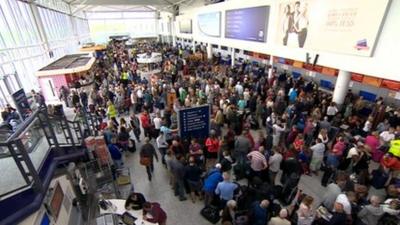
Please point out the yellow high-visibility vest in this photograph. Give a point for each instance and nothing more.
(111, 111)
(124, 76)
(395, 147)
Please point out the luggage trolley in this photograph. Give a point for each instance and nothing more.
(123, 182)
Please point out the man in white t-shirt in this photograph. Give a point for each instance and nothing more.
(157, 122)
(274, 164)
(387, 136)
(331, 111)
(318, 151)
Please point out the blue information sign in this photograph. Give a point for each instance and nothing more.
(194, 122)
(22, 104)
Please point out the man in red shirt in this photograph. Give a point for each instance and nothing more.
(145, 121)
(153, 213)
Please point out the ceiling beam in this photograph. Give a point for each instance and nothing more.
(120, 2)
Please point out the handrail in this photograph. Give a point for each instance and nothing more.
(24, 125)
(35, 198)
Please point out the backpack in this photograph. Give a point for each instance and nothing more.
(379, 179)
(226, 165)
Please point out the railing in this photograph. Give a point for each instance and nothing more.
(20, 146)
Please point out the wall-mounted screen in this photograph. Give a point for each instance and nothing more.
(247, 24)
(209, 24)
(185, 26)
(348, 27)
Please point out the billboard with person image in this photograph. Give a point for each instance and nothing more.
(341, 26)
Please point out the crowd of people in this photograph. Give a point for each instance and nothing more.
(261, 127)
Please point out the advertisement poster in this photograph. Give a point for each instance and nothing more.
(194, 122)
(342, 26)
(22, 104)
(247, 24)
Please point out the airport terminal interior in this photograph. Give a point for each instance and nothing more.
(198, 112)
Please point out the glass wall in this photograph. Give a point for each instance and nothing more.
(82, 29)
(59, 32)
(136, 24)
(23, 49)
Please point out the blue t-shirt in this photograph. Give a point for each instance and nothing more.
(292, 96)
(241, 104)
(114, 152)
(225, 190)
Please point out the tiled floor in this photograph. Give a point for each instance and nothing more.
(159, 190)
(186, 212)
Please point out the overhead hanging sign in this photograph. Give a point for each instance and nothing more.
(342, 26)
(194, 122)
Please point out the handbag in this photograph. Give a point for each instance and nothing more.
(145, 161)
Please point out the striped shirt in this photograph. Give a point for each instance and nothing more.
(257, 160)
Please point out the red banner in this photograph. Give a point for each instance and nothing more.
(329, 71)
(390, 84)
(376, 82)
(357, 77)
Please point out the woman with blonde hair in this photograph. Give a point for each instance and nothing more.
(305, 213)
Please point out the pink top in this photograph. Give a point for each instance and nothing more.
(372, 142)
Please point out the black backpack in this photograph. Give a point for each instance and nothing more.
(226, 165)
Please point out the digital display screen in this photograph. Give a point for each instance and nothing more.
(247, 24)
(185, 26)
(210, 24)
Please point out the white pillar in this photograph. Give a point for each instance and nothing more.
(173, 30)
(270, 70)
(174, 41)
(209, 51)
(232, 57)
(341, 87)
(194, 46)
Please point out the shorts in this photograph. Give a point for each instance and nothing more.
(212, 155)
(315, 163)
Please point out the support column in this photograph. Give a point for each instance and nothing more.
(209, 51)
(173, 30)
(341, 87)
(40, 27)
(232, 57)
(270, 70)
(194, 46)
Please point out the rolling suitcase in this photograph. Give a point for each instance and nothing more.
(210, 213)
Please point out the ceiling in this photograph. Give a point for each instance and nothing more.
(125, 5)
